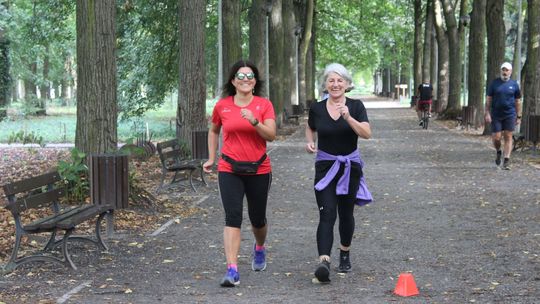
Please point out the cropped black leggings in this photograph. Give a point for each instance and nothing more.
(330, 206)
(233, 187)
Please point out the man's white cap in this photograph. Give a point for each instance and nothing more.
(506, 65)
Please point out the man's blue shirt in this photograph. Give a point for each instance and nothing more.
(503, 98)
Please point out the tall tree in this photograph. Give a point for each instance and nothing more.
(191, 111)
(231, 35)
(516, 74)
(531, 79)
(476, 64)
(454, 32)
(418, 50)
(277, 62)
(289, 53)
(307, 25)
(5, 78)
(257, 35)
(442, 55)
(428, 33)
(96, 130)
(495, 37)
(495, 30)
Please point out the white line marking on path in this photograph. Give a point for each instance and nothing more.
(170, 222)
(68, 295)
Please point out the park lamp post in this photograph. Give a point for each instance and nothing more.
(465, 21)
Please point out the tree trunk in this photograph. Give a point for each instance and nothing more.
(191, 109)
(307, 25)
(289, 53)
(311, 72)
(5, 79)
(67, 80)
(476, 70)
(232, 34)
(516, 74)
(443, 57)
(428, 33)
(257, 37)
(417, 50)
(531, 79)
(434, 60)
(455, 53)
(44, 87)
(495, 43)
(30, 88)
(277, 61)
(96, 130)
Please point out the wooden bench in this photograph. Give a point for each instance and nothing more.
(43, 194)
(290, 117)
(176, 160)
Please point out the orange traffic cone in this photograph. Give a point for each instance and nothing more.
(406, 286)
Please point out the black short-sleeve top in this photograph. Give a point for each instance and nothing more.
(336, 136)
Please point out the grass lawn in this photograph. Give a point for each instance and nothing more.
(60, 123)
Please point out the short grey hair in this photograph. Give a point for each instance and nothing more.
(338, 69)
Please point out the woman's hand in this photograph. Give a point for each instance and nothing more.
(248, 115)
(343, 110)
(207, 166)
(310, 147)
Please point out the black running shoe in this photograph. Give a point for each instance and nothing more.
(344, 262)
(322, 273)
(498, 159)
(506, 164)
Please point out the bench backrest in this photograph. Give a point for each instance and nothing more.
(170, 152)
(33, 192)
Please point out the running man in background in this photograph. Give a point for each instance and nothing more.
(503, 108)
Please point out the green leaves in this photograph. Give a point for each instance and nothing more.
(362, 34)
(74, 175)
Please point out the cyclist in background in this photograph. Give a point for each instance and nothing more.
(425, 93)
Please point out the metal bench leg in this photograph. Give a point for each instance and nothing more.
(191, 180)
(202, 177)
(67, 258)
(12, 263)
(51, 243)
(100, 242)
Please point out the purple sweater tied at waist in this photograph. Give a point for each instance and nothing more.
(363, 196)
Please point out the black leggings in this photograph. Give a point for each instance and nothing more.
(330, 205)
(233, 187)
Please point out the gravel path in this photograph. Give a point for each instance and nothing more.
(467, 231)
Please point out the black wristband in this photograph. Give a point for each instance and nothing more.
(519, 117)
(255, 123)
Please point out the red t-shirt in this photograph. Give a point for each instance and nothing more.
(241, 141)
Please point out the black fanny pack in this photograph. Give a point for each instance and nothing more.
(244, 167)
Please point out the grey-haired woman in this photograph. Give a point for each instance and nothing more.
(332, 132)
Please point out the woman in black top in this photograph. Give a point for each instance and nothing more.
(337, 123)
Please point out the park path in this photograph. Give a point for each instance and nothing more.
(467, 231)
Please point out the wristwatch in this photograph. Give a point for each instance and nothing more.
(256, 122)
(519, 117)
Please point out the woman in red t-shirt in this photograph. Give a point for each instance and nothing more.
(248, 122)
